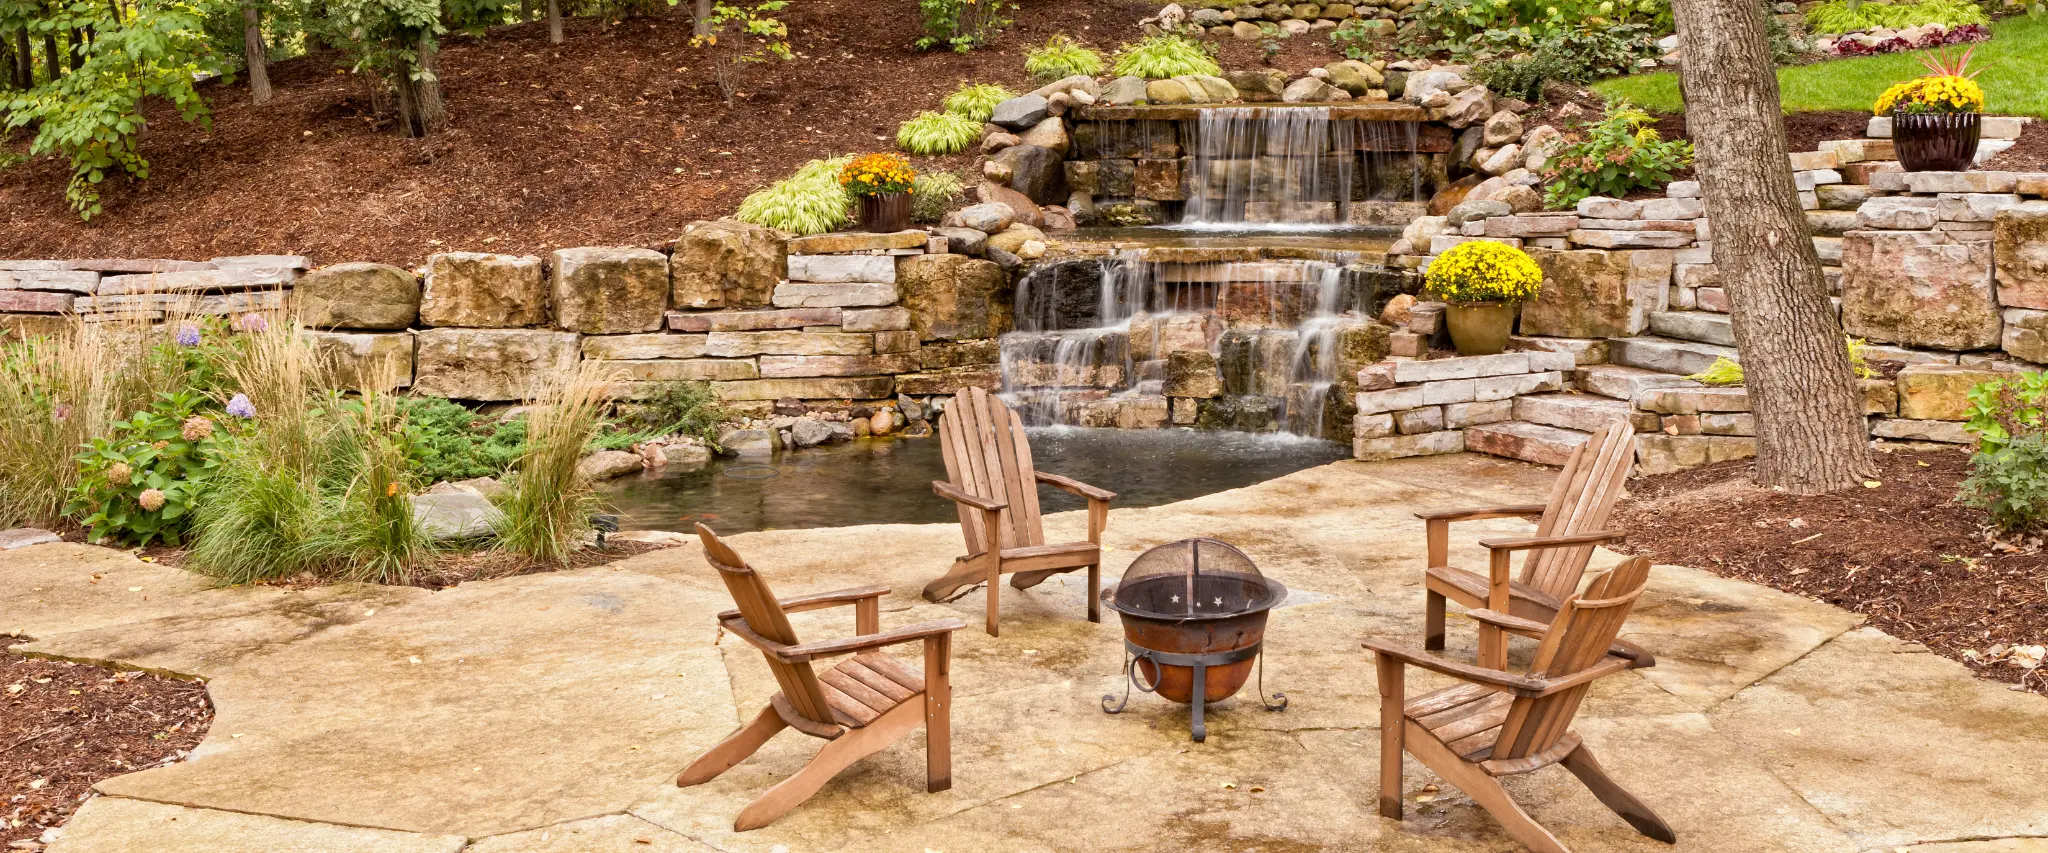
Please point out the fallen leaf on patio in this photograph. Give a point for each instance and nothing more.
(1431, 788)
(1229, 785)
(1871, 484)
(414, 659)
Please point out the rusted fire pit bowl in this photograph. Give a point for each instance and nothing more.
(1194, 617)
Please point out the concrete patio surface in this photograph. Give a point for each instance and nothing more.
(550, 713)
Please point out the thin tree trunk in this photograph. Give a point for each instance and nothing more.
(433, 111)
(408, 104)
(258, 55)
(703, 23)
(77, 41)
(12, 80)
(526, 11)
(554, 21)
(53, 64)
(1811, 434)
(24, 61)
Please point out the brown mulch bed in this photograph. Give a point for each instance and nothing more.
(1905, 554)
(66, 726)
(2029, 155)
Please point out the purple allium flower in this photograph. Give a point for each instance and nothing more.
(60, 413)
(252, 323)
(240, 406)
(188, 335)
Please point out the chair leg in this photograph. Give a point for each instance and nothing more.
(995, 577)
(734, 749)
(1638, 814)
(1482, 788)
(938, 713)
(1094, 592)
(1393, 693)
(965, 571)
(1433, 622)
(837, 755)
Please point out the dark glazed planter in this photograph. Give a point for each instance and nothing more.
(886, 213)
(1480, 328)
(1936, 142)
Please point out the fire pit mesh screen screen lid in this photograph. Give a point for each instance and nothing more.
(1194, 616)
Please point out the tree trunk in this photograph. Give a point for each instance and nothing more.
(24, 61)
(53, 65)
(526, 11)
(703, 22)
(554, 21)
(76, 40)
(1811, 434)
(433, 111)
(258, 55)
(408, 93)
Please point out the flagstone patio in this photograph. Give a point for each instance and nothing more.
(550, 713)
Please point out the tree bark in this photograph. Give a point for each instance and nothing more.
(53, 65)
(554, 21)
(75, 40)
(703, 22)
(24, 61)
(433, 111)
(1811, 434)
(258, 55)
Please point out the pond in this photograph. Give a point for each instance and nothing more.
(888, 480)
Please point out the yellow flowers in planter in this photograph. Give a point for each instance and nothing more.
(1950, 87)
(877, 174)
(1481, 271)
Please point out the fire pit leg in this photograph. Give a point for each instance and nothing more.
(1263, 698)
(1201, 731)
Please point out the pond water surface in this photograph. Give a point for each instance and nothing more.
(888, 480)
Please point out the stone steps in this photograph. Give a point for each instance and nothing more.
(1666, 355)
(1624, 383)
(1706, 327)
(1544, 445)
(1582, 412)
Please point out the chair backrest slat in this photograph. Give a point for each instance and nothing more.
(1581, 502)
(988, 455)
(763, 615)
(1578, 639)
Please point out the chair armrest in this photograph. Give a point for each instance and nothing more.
(1537, 542)
(1607, 666)
(833, 648)
(1076, 487)
(1518, 684)
(1512, 624)
(955, 493)
(1514, 511)
(820, 600)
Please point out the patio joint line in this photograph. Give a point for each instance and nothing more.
(1709, 708)
(343, 824)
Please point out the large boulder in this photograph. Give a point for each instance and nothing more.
(1020, 112)
(726, 264)
(1310, 90)
(491, 364)
(1124, 91)
(1036, 171)
(1919, 288)
(1014, 237)
(1502, 128)
(2019, 243)
(1022, 208)
(1596, 293)
(1050, 133)
(953, 297)
(1469, 107)
(987, 217)
(365, 361)
(1354, 77)
(475, 290)
(1422, 84)
(357, 296)
(610, 290)
(1258, 86)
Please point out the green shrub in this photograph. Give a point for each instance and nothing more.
(935, 194)
(1061, 57)
(139, 484)
(933, 133)
(1465, 28)
(445, 441)
(1165, 55)
(2009, 472)
(808, 202)
(1354, 40)
(976, 102)
(1523, 76)
(673, 408)
(1786, 45)
(1612, 156)
(547, 505)
(1583, 54)
(961, 25)
(1842, 16)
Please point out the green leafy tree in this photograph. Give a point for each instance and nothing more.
(739, 35)
(396, 40)
(92, 114)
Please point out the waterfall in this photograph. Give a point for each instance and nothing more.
(1273, 166)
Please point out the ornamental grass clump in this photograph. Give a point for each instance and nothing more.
(1165, 55)
(548, 503)
(933, 134)
(1483, 272)
(1948, 87)
(811, 201)
(1060, 57)
(977, 102)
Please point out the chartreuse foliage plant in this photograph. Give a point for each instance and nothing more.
(1848, 16)
(2009, 472)
(1165, 55)
(808, 202)
(976, 102)
(92, 114)
(1612, 156)
(931, 133)
(1480, 271)
(1060, 57)
(1727, 373)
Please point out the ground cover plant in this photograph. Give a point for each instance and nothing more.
(933, 134)
(2009, 472)
(976, 102)
(1841, 16)
(1061, 57)
(1165, 55)
(2014, 79)
(1612, 156)
(808, 202)
(935, 194)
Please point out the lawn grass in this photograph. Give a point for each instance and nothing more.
(2015, 77)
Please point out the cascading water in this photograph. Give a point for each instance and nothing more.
(1094, 339)
(1296, 168)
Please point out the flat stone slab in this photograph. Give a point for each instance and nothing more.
(110, 824)
(610, 834)
(22, 537)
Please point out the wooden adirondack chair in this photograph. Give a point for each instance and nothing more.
(1571, 525)
(1501, 723)
(859, 706)
(988, 461)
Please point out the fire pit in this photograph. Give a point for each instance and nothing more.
(1194, 615)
